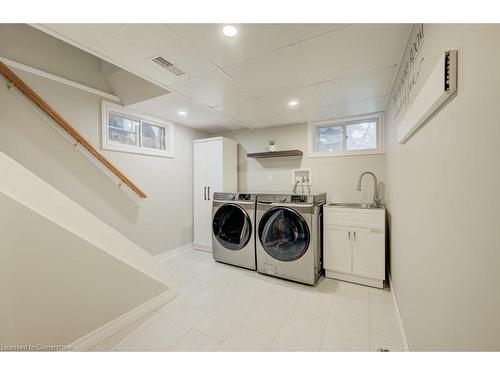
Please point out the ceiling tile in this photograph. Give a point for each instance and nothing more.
(135, 45)
(168, 106)
(274, 72)
(304, 31)
(250, 111)
(252, 40)
(262, 112)
(356, 108)
(86, 34)
(350, 89)
(296, 116)
(355, 65)
(212, 89)
(279, 102)
(355, 49)
(342, 90)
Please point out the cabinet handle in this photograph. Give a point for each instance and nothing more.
(354, 236)
(349, 235)
(205, 193)
(209, 193)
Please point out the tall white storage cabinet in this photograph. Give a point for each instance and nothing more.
(215, 169)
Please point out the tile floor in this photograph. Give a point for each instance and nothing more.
(225, 308)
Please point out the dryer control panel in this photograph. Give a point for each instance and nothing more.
(236, 197)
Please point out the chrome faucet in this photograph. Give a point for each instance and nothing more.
(376, 199)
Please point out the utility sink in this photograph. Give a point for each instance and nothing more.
(356, 205)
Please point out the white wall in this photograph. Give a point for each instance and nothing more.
(443, 202)
(55, 287)
(159, 223)
(337, 176)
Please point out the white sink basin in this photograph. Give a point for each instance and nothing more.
(356, 205)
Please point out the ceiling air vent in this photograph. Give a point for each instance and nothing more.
(164, 63)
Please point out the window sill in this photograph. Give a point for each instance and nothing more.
(140, 151)
(345, 153)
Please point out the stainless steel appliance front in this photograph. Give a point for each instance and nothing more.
(233, 228)
(288, 236)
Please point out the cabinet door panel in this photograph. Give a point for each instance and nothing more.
(214, 166)
(337, 250)
(214, 177)
(201, 219)
(369, 253)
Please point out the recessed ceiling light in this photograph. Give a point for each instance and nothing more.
(182, 113)
(229, 30)
(293, 103)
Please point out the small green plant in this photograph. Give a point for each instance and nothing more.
(271, 143)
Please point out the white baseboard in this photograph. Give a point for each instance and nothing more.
(400, 321)
(109, 329)
(376, 283)
(208, 249)
(172, 253)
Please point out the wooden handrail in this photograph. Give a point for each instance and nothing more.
(33, 96)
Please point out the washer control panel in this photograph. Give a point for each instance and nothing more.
(283, 199)
(298, 199)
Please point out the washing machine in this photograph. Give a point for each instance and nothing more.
(233, 223)
(289, 236)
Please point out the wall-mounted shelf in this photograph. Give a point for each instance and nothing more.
(275, 154)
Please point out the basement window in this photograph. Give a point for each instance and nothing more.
(348, 136)
(130, 131)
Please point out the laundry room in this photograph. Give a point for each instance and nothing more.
(281, 185)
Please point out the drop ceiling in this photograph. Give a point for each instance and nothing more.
(332, 70)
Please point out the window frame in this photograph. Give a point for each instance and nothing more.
(108, 108)
(312, 136)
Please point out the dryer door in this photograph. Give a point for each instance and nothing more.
(232, 226)
(284, 234)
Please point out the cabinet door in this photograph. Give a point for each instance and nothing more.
(214, 167)
(368, 258)
(214, 179)
(337, 248)
(200, 204)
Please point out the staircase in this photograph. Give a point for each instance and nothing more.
(64, 272)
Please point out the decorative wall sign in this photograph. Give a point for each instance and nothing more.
(439, 87)
(409, 73)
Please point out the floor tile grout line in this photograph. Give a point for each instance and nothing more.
(255, 307)
(124, 328)
(183, 303)
(203, 333)
(255, 331)
(238, 321)
(138, 329)
(251, 311)
(326, 322)
(284, 321)
(239, 326)
(352, 313)
(213, 275)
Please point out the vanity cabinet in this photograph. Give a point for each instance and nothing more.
(354, 245)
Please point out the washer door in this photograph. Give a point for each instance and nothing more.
(284, 234)
(232, 226)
